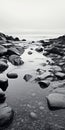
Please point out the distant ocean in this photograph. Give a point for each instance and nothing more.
(36, 35)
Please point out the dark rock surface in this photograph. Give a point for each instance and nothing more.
(27, 77)
(3, 66)
(3, 50)
(3, 83)
(12, 75)
(44, 84)
(39, 49)
(6, 115)
(15, 60)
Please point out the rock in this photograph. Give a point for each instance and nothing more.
(39, 49)
(29, 52)
(3, 66)
(4, 60)
(6, 115)
(12, 75)
(3, 83)
(44, 84)
(33, 115)
(3, 50)
(55, 50)
(16, 39)
(59, 90)
(27, 77)
(15, 60)
(52, 126)
(12, 50)
(60, 75)
(24, 40)
(2, 96)
(56, 101)
(20, 49)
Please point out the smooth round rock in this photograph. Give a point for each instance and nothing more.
(56, 101)
(12, 75)
(33, 115)
(6, 115)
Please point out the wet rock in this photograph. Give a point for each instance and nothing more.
(39, 49)
(6, 115)
(15, 60)
(3, 50)
(55, 50)
(30, 52)
(16, 39)
(59, 90)
(3, 83)
(12, 75)
(52, 126)
(20, 49)
(23, 39)
(12, 50)
(44, 84)
(4, 60)
(3, 66)
(2, 96)
(60, 75)
(33, 115)
(56, 101)
(27, 77)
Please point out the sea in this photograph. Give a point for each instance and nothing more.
(35, 35)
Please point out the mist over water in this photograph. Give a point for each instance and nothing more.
(36, 34)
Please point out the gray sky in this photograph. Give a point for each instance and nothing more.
(17, 15)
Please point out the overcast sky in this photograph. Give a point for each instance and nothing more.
(17, 15)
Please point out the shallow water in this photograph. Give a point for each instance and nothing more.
(25, 97)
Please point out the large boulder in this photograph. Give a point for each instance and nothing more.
(15, 60)
(6, 115)
(3, 83)
(18, 50)
(55, 50)
(3, 66)
(3, 50)
(56, 101)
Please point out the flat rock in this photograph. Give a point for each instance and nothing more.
(59, 90)
(56, 101)
(3, 66)
(16, 60)
(12, 75)
(60, 75)
(27, 77)
(6, 115)
(3, 50)
(43, 84)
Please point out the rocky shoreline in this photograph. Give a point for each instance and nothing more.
(50, 75)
